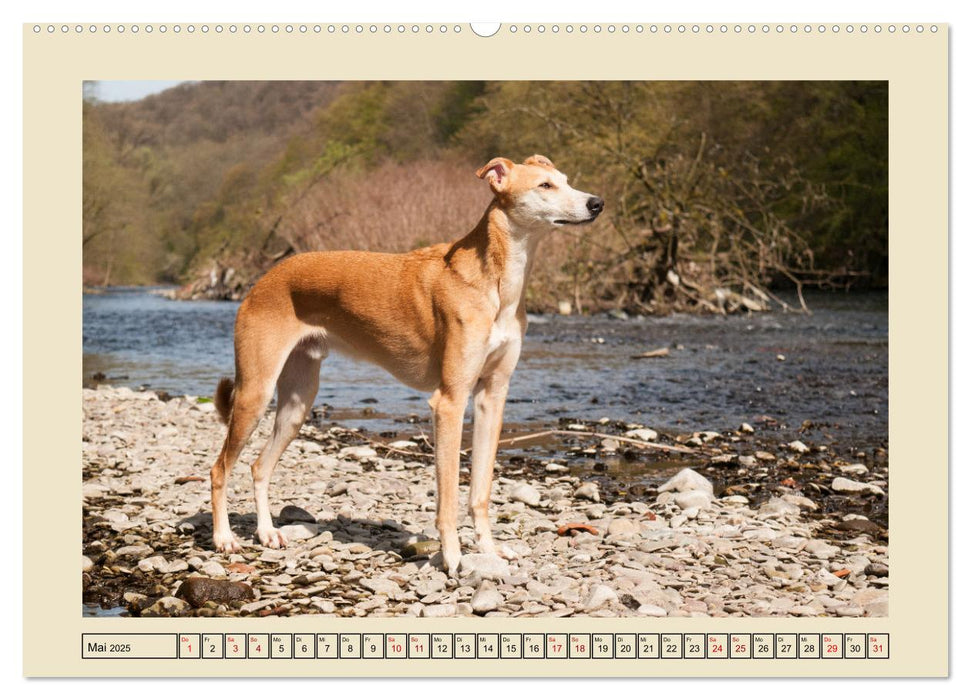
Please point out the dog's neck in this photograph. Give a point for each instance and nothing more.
(507, 251)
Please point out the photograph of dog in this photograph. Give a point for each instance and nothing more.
(698, 421)
(448, 319)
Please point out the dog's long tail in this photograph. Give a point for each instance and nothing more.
(224, 398)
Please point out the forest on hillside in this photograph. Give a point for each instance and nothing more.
(718, 194)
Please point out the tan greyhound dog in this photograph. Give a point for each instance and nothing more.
(448, 319)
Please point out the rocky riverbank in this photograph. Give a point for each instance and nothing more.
(739, 523)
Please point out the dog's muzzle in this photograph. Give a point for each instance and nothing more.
(595, 205)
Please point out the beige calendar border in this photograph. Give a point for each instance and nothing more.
(916, 66)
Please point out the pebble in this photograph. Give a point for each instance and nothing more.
(86, 563)
(820, 549)
(213, 569)
(798, 446)
(652, 610)
(166, 607)
(853, 469)
(424, 548)
(487, 598)
(135, 551)
(645, 434)
(156, 563)
(273, 555)
(589, 491)
(257, 605)
(445, 610)
(777, 506)
(877, 569)
(479, 567)
(381, 586)
(524, 493)
(619, 527)
(359, 452)
(843, 485)
(299, 531)
(599, 596)
(403, 444)
(800, 501)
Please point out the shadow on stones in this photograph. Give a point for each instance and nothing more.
(383, 535)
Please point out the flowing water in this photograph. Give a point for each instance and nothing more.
(829, 367)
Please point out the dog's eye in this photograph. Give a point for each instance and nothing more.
(547, 185)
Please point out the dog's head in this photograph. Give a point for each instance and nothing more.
(534, 194)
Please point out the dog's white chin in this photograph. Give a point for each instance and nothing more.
(564, 222)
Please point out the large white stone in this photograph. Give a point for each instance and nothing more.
(697, 498)
(687, 480)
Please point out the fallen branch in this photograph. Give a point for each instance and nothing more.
(602, 436)
(542, 433)
(660, 352)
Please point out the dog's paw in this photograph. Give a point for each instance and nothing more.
(272, 538)
(450, 562)
(486, 545)
(226, 543)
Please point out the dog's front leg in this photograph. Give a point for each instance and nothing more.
(488, 399)
(448, 409)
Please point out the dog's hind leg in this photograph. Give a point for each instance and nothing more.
(296, 389)
(259, 360)
(250, 399)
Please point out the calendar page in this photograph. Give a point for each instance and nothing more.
(564, 349)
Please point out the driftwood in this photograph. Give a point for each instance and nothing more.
(602, 436)
(544, 433)
(660, 352)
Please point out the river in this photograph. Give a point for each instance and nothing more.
(829, 367)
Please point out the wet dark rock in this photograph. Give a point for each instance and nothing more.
(295, 514)
(166, 607)
(421, 549)
(860, 526)
(198, 590)
(877, 569)
(136, 602)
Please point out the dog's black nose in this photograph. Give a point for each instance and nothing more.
(595, 205)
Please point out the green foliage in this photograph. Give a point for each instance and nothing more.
(215, 170)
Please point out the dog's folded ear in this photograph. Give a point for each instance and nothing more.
(496, 172)
(539, 160)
